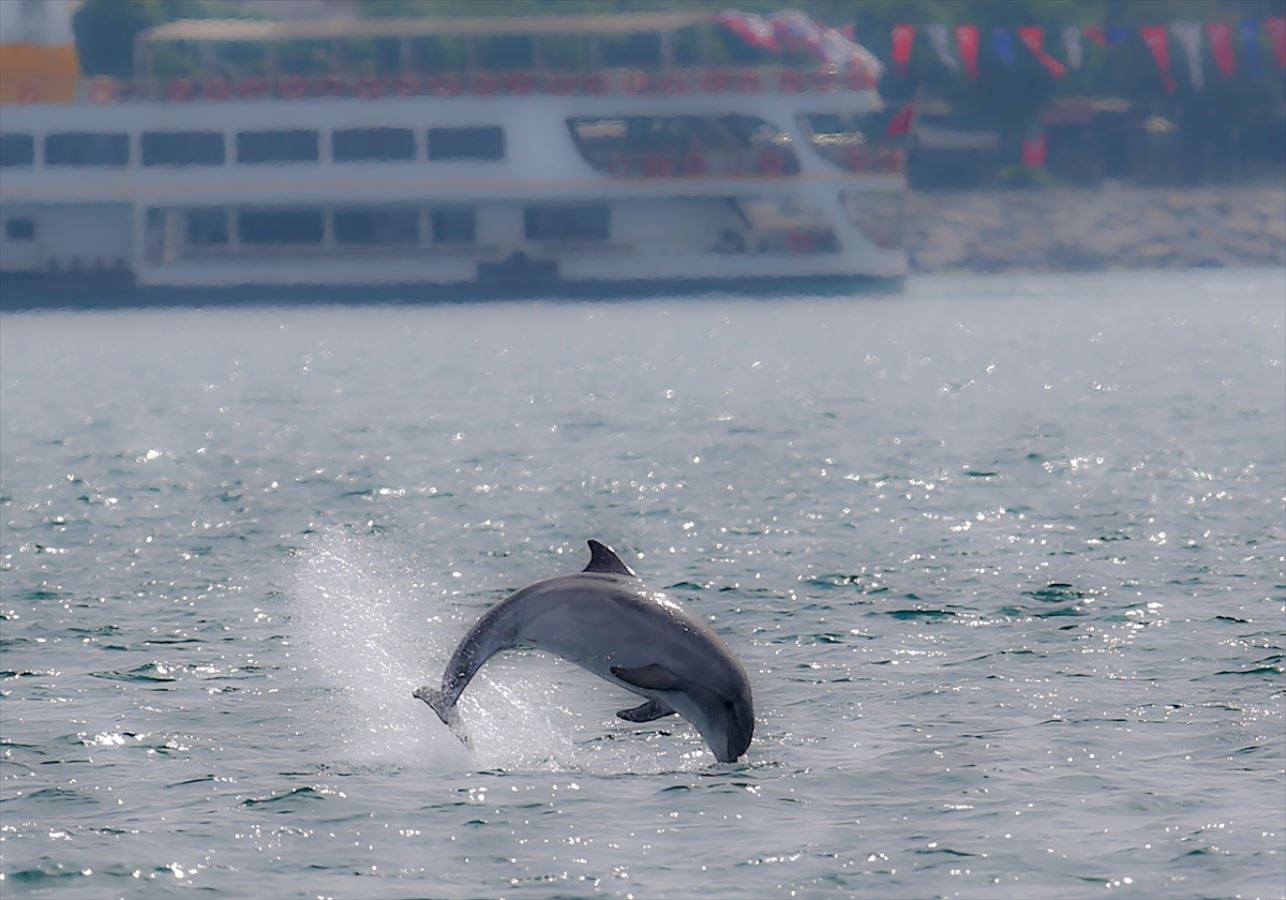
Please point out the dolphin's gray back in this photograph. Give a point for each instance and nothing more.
(597, 621)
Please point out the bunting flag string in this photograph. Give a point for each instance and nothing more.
(1155, 37)
(1188, 34)
(1250, 46)
(1072, 46)
(1277, 33)
(1002, 44)
(958, 47)
(1095, 34)
(938, 38)
(967, 44)
(1220, 36)
(1033, 38)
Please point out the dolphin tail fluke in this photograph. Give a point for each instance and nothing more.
(449, 713)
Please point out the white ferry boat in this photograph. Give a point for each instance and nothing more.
(493, 155)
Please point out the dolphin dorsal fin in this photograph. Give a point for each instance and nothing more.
(605, 562)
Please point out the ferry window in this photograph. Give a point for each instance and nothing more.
(208, 227)
(20, 229)
(568, 223)
(454, 225)
(467, 143)
(505, 51)
(276, 146)
(183, 148)
(17, 150)
(280, 226)
(565, 51)
(351, 144)
(631, 50)
(81, 148)
(377, 226)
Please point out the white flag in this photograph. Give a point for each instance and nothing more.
(1188, 34)
(1072, 45)
(941, 41)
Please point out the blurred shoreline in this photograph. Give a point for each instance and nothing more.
(1111, 227)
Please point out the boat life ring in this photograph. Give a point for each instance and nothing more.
(180, 90)
(406, 85)
(368, 86)
(694, 164)
(748, 82)
(855, 159)
(560, 84)
(800, 242)
(714, 81)
(252, 87)
(594, 84)
(444, 85)
(791, 82)
(292, 87)
(520, 83)
(483, 83)
(673, 85)
(638, 83)
(102, 90)
(330, 86)
(215, 89)
(772, 161)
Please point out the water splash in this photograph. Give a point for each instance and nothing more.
(372, 633)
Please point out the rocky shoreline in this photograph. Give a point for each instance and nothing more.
(1113, 227)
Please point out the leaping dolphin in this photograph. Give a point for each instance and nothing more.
(605, 620)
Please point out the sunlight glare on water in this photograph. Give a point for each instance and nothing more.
(1003, 557)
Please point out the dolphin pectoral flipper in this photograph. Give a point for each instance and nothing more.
(646, 712)
(652, 677)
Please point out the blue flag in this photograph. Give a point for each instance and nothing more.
(1116, 34)
(1250, 38)
(1002, 44)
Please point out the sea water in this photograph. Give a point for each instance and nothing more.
(1002, 556)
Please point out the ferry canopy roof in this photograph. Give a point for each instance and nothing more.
(259, 31)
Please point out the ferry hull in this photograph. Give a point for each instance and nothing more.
(114, 290)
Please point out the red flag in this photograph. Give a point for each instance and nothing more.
(1277, 32)
(1095, 34)
(1155, 37)
(1221, 46)
(903, 38)
(967, 42)
(900, 124)
(1033, 37)
(1034, 150)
